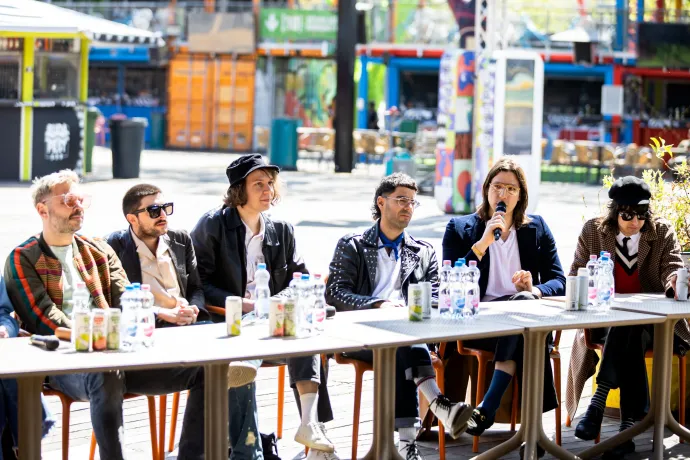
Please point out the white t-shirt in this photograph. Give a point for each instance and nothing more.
(504, 262)
(70, 275)
(254, 247)
(388, 285)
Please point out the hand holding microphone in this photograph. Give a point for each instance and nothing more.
(500, 207)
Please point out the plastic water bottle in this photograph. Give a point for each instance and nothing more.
(613, 278)
(604, 284)
(305, 306)
(444, 290)
(457, 295)
(472, 289)
(129, 324)
(262, 292)
(319, 312)
(592, 267)
(147, 320)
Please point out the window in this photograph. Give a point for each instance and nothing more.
(10, 76)
(145, 87)
(56, 76)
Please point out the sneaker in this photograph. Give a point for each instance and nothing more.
(314, 437)
(320, 455)
(410, 451)
(453, 415)
(479, 422)
(240, 373)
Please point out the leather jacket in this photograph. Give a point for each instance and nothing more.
(221, 254)
(352, 272)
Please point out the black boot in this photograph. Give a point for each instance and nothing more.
(590, 425)
(620, 451)
(479, 422)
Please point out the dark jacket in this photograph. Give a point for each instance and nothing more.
(352, 273)
(222, 257)
(536, 244)
(182, 255)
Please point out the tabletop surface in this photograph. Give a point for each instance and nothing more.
(653, 304)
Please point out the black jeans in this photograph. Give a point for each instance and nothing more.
(511, 348)
(410, 363)
(623, 366)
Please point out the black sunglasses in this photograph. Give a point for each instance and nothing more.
(627, 216)
(154, 210)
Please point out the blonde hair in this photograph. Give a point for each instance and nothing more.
(43, 186)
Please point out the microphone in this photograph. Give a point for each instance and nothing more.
(500, 207)
(47, 342)
(330, 311)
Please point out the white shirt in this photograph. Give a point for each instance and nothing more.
(254, 248)
(157, 270)
(388, 284)
(504, 262)
(70, 275)
(633, 242)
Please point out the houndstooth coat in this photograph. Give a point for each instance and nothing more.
(658, 259)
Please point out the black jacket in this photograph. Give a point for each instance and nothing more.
(536, 245)
(182, 255)
(352, 277)
(221, 253)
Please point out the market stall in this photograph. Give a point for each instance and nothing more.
(44, 52)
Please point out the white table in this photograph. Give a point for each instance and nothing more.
(384, 330)
(659, 414)
(203, 345)
(539, 317)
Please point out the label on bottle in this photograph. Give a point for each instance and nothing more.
(444, 303)
(99, 331)
(81, 328)
(113, 340)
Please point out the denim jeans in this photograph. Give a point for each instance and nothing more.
(9, 402)
(410, 363)
(245, 440)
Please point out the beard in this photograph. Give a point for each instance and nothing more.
(67, 225)
(153, 231)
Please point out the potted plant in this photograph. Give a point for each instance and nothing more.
(670, 199)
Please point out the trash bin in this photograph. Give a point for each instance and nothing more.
(157, 131)
(127, 142)
(92, 114)
(283, 147)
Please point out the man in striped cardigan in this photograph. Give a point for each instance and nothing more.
(41, 274)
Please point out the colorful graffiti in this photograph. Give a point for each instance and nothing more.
(309, 90)
(453, 186)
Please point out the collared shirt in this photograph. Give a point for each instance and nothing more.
(632, 244)
(255, 256)
(388, 284)
(504, 262)
(70, 275)
(157, 270)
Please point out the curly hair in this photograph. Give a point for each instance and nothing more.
(388, 185)
(236, 194)
(609, 222)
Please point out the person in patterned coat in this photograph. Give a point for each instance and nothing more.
(646, 256)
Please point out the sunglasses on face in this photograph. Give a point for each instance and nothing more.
(627, 216)
(154, 210)
(72, 199)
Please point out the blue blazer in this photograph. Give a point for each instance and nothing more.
(536, 244)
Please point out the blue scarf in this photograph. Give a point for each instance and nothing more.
(392, 244)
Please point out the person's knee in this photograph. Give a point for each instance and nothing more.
(109, 384)
(304, 369)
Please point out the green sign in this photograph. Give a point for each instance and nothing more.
(283, 24)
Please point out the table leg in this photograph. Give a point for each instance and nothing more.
(531, 430)
(383, 445)
(216, 411)
(30, 417)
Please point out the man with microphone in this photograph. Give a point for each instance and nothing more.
(517, 259)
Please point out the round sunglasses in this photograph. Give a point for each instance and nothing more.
(154, 210)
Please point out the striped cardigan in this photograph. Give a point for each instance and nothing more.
(34, 281)
(658, 260)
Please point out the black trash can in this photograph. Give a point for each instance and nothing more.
(126, 143)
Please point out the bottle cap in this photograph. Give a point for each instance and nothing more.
(261, 266)
(129, 288)
(136, 285)
(317, 276)
(296, 275)
(80, 285)
(145, 287)
(473, 263)
(593, 257)
(446, 263)
(305, 276)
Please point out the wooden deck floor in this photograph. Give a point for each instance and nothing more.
(341, 387)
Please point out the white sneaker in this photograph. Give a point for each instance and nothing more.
(453, 415)
(320, 455)
(314, 437)
(240, 373)
(409, 450)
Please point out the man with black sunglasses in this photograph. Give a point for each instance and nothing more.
(646, 256)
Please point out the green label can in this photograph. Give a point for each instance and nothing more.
(81, 331)
(290, 318)
(113, 315)
(415, 302)
(233, 315)
(276, 317)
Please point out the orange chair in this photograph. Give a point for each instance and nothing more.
(483, 358)
(649, 354)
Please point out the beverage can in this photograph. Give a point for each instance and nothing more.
(276, 317)
(571, 293)
(415, 295)
(99, 330)
(113, 316)
(233, 315)
(582, 288)
(426, 299)
(290, 318)
(682, 284)
(81, 331)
